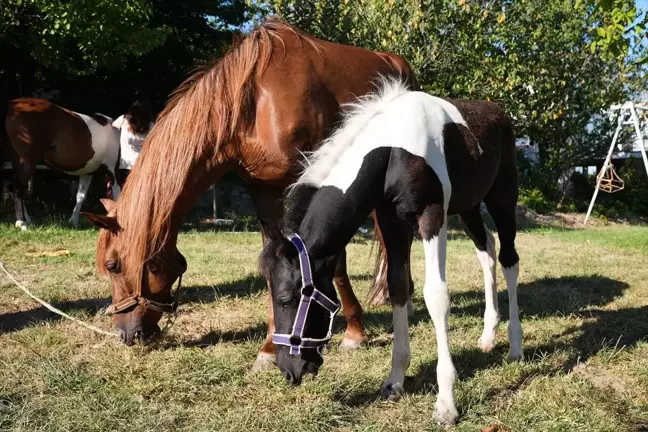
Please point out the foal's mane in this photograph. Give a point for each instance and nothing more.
(356, 116)
(210, 109)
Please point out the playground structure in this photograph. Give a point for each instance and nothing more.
(628, 114)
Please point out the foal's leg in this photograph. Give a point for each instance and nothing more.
(501, 202)
(434, 230)
(84, 183)
(473, 225)
(396, 241)
(504, 219)
(354, 336)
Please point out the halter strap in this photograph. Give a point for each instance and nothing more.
(138, 299)
(296, 340)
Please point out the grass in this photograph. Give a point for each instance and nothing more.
(584, 304)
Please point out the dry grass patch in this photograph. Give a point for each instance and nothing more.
(583, 298)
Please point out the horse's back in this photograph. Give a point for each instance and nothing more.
(74, 143)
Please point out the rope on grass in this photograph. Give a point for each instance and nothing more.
(53, 309)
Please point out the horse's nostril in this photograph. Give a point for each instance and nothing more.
(291, 378)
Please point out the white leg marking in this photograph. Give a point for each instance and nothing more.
(514, 326)
(410, 307)
(84, 183)
(488, 259)
(20, 223)
(401, 354)
(264, 361)
(437, 301)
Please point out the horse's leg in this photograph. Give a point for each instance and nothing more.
(502, 209)
(269, 208)
(112, 185)
(82, 191)
(23, 172)
(434, 230)
(354, 336)
(473, 225)
(396, 242)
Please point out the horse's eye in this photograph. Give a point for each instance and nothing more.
(113, 266)
(289, 303)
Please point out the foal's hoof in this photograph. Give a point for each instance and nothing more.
(352, 344)
(392, 391)
(445, 413)
(264, 361)
(22, 225)
(515, 354)
(486, 344)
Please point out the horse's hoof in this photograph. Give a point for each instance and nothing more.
(445, 413)
(22, 225)
(392, 391)
(264, 361)
(486, 344)
(351, 344)
(74, 223)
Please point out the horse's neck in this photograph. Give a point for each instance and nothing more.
(204, 174)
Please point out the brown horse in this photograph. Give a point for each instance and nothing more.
(274, 95)
(74, 143)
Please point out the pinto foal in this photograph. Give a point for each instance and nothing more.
(415, 159)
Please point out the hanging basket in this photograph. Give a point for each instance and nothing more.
(609, 180)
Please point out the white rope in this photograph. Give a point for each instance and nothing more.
(53, 309)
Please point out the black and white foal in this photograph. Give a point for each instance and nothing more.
(415, 159)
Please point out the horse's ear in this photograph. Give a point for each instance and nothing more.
(100, 221)
(108, 204)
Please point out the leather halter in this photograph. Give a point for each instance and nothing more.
(137, 298)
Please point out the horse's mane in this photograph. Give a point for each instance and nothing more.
(209, 109)
(356, 116)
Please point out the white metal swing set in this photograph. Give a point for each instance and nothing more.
(628, 114)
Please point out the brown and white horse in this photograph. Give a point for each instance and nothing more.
(271, 97)
(71, 142)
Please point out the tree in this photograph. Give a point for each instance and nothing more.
(95, 54)
(535, 57)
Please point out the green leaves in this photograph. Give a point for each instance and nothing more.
(80, 36)
(553, 64)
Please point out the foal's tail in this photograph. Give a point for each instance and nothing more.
(379, 293)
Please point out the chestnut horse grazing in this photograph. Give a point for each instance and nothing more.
(273, 96)
(74, 143)
(414, 159)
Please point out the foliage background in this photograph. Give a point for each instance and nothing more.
(554, 64)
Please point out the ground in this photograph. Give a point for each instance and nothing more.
(584, 307)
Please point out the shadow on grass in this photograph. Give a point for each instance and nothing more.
(214, 337)
(564, 296)
(247, 286)
(16, 321)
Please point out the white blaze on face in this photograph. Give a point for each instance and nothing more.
(105, 144)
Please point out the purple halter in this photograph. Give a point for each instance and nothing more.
(309, 293)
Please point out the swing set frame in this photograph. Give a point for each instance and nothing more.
(627, 115)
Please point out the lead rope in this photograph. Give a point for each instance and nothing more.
(55, 310)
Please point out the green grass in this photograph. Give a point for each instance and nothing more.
(584, 307)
